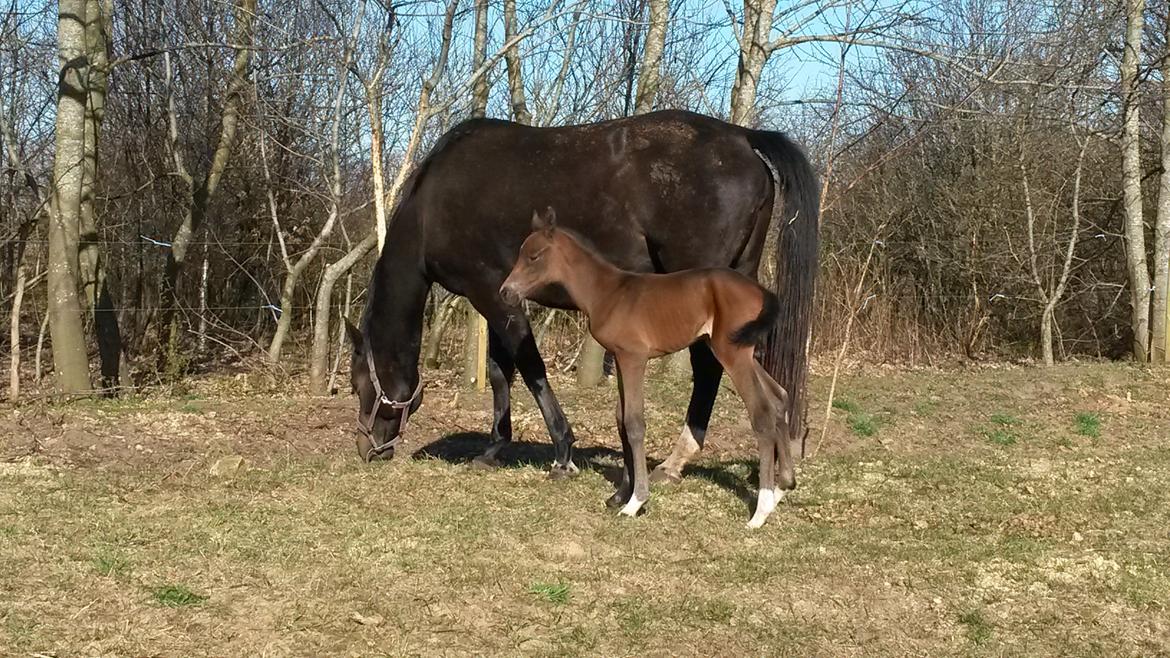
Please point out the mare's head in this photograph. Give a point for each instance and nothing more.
(385, 399)
(540, 261)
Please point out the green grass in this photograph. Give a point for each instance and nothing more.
(949, 544)
(859, 422)
(1088, 424)
(977, 626)
(845, 404)
(557, 593)
(1003, 432)
(177, 596)
(111, 564)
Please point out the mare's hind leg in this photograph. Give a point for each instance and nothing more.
(706, 372)
(515, 333)
(761, 406)
(501, 372)
(631, 380)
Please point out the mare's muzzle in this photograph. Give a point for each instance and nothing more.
(365, 422)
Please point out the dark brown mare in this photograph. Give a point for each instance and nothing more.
(642, 316)
(659, 192)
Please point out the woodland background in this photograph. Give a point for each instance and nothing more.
(200, 186)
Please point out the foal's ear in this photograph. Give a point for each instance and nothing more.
(355, 336)
(545, 222)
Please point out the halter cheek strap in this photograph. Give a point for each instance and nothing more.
(366, 422)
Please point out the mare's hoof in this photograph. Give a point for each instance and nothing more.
(662, 476)
(616, 500)
(558, 472)
(484, 463)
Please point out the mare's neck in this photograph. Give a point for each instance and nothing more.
(394, 310)
(593, 280)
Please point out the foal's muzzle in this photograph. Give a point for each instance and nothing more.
(510, 294)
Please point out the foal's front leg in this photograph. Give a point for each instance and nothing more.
(626, 486)
(631, 380)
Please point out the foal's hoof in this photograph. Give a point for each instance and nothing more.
(485, 463)
(662, 476)
(558, 472)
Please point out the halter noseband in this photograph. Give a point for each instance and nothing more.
(366, 423)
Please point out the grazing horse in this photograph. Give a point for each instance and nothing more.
(642, 316)
(659, 192)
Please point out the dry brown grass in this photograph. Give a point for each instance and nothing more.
(927, 537)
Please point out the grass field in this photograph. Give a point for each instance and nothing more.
(991, 511)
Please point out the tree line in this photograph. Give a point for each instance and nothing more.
(191, 185)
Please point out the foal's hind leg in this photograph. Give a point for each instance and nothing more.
(705, 373)
(786, 474)
(741, 365)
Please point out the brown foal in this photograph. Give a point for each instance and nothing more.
(638, 317)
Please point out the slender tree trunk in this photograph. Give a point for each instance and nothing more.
(435, 337)
(14, 332)
(476, 325)
(374, 108)
(1131, 174)
(753, 54)
(203, 282)
(319, 361)
(650, 74)
(520, 111)
(38, 370)
(479, 92)
(1160, 338)
(70, 359)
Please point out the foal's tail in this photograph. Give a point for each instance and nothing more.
(786, 353)
(754, 332)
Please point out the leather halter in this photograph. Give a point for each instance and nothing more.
(366, 423)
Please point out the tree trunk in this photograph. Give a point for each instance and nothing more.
(590, 362)
(70, 359)
(435, 337)
(319, 361)
(1046, 332)
(753, 54)
(520, 111)
(202, 194)
(1160, 338)
(1131, 176)
(651, 74)
(479, 92)
(14, 332)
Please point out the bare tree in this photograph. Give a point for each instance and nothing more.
(1160, 336)
(296, 269)
(1131, 172)
(65, 324)
(202, 191)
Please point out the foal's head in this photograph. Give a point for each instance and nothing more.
(540, 262)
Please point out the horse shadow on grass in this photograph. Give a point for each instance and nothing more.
(464, 447)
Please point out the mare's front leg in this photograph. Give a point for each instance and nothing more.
(515, 333)
(631, 388)
(501, 372)
(706, 372)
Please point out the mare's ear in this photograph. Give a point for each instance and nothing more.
(355, 336)
(550, 216)
(537, 221)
